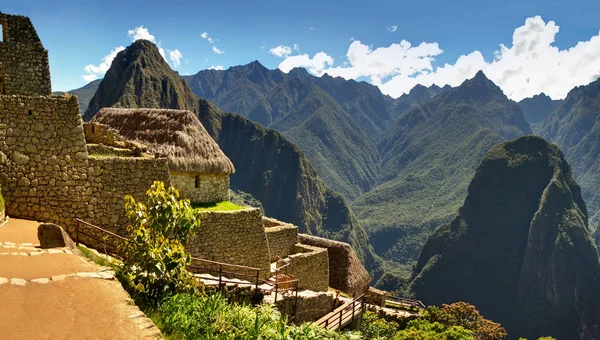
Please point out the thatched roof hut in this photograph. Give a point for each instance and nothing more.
(177, 135)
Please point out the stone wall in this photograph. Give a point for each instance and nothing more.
(310, 265)
(235, 237)
(202, 188)
(346, 271)
(96, 133)
(282, 238)
(111, 179)
(24, 69)
(310, 306)
(43, 159)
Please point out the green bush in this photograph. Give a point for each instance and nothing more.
(155, 260)
(212, 317)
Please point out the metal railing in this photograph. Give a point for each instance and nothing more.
(343, 315)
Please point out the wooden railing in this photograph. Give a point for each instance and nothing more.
(197, 265)
(343, 315)
(404, 302)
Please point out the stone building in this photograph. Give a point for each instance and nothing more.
(24, 65)
(198, 167)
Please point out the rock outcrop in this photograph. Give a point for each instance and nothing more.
(53, 236)
(519, 248)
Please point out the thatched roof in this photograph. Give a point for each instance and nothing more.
(177, 135)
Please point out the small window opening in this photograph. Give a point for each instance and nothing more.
(197, 181)
(30, 112)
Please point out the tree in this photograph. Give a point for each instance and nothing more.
(155, 260)
(467, 316)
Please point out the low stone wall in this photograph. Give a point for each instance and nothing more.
(346, 271)
(310, 265)
(202, 188)
(376, 296)
(109, 151)
(234, 237)
(282, 238)
(111, 179)
(310, 306)
(96, 133)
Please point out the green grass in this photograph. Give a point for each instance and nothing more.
(220, 206)
(100, 260)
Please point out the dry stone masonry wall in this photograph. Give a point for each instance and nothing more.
(282, 238)
(43, 158)
(25, 69)
(310, 265)
(111, 179)
(202, 188)
(236, 237)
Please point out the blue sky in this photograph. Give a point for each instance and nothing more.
(81, 33)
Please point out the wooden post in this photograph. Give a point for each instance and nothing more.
(220, 275)
(340, 322)
(257, 278)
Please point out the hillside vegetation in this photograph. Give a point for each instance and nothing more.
(575, 127)
(519, 248)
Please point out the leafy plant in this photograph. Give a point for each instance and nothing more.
(154, 258)
(467, 316)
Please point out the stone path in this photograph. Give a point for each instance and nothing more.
(58, 294)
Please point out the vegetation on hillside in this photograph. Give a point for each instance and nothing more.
(575, 127)
(538, 107)
(519, 248)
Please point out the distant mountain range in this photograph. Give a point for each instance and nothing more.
(269, 167)
(403, 164)
(575, 127)
(537, 108)
(84, 94)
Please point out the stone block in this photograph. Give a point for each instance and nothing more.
(53, 236)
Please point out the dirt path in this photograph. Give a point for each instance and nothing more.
(57, 294)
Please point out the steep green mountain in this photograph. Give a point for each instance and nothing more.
(575, 127)
(140, 77)
(268, 166)
(276, 172)
(537, 108)
(84, 94)
(519, 248)
(418, 95)
(428, 159)
(335, 122)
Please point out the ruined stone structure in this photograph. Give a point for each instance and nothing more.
(24, 67)
(48, 173)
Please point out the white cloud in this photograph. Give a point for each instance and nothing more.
(315, 65)
(141, 32)
(175, 57)
(392, 28)
(296, 47)
(281, 51)
(530, 65)
(218, 68)
(96, 71)
(216, 50)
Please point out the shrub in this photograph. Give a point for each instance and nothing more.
(155, 260)
(467, 316)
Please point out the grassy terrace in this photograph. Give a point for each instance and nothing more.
(221, 206)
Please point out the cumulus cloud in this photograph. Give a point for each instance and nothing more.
(215, 49)
(531, 64)
(218, 68)
(96, 71)
(315, 65)
(281, 51)
(175, 57)
(392, 28)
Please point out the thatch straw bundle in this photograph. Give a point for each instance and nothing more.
(177, 135)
